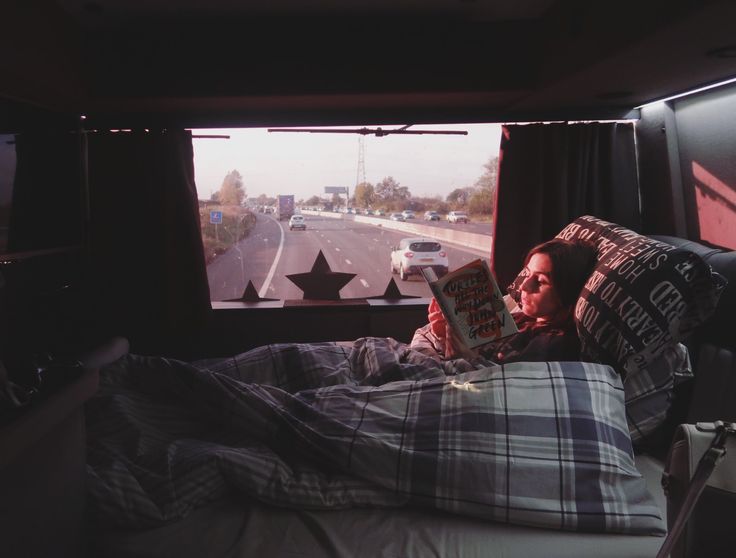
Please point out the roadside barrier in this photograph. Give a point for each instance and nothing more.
(475, 241)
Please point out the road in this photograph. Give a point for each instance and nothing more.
(272, 251)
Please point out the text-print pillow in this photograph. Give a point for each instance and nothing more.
(642, 296)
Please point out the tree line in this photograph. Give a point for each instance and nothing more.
(388, 194)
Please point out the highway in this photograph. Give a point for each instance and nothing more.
(272, 251)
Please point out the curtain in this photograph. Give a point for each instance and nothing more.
(46, 208)
(549, 174)
(148, 268)
(43, 272)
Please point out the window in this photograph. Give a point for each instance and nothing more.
(425, 247)
(346, 186)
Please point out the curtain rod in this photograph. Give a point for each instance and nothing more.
(379, 132)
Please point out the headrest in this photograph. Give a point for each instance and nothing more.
(719, 327)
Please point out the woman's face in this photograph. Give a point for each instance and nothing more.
(539, 299)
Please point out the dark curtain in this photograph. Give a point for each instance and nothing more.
(46, 210)
(43, 271)
(549, 174)
(147, 260)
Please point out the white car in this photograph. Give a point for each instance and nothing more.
(397, 217)
(412, 254)
(408, 214)
(458, 217)
(297, 222)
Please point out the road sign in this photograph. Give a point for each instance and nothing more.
(216, 217)
(336, 190)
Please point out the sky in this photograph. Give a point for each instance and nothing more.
(303, 164)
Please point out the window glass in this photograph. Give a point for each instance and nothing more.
(425, 247)
(346, 186)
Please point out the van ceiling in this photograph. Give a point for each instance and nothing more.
(258, 62)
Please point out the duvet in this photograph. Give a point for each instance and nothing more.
(369, 423)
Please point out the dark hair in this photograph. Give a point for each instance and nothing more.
(572, 264)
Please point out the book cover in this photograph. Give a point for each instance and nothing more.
(472, 303)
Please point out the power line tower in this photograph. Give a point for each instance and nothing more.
(360, 178)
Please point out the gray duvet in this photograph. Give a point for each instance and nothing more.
(371, 423)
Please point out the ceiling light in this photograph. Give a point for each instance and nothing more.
(687, 93)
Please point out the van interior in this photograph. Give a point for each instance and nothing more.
(624, 112)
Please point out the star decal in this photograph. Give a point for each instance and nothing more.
(321, 283)
(392, 292)
(249, 295)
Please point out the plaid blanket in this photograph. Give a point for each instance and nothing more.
(373, 423)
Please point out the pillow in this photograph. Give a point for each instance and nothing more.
(643, 295)
(649, 392)
(642, 298)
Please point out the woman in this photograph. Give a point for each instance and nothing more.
(554, 274)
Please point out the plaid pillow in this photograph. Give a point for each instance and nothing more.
(649, 391)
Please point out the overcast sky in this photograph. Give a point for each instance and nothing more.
(303, 164)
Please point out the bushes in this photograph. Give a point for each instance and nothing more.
(237, 222)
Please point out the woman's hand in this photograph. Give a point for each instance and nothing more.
(454, 346)
(437, 319)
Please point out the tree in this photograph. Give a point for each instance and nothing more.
(314, 201)
(389, 191)
(365, 195)
(481, 202)
(483, 199)
(232, 191)
(459, 197)
(263, 199)
(488, 179)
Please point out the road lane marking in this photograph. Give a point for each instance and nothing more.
(365, 283)
(337, 249)
(348, 262)
(269, 277)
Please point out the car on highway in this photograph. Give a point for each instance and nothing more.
(379, 212)
(457, 217)
(397, 217)
(297, 222)
(408, 214)
(431, 216)
(414, 253)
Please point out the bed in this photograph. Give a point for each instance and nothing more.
(370, 448)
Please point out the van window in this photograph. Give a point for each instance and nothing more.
(346, 186)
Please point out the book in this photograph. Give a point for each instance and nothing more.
(472, 303)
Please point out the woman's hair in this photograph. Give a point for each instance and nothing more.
(572, 264)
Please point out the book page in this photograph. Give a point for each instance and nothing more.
(472, 303)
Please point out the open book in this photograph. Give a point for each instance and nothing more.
(472, 303)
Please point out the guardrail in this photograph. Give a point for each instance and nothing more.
(475, 241)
